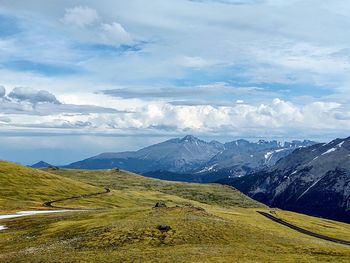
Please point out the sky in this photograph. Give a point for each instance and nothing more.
(78, 78)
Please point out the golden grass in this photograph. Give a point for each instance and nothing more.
(25, 188)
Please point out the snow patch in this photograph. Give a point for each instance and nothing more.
(281, 144)
(340, 144)
(313, 184)
(268, 154)
(208, 169)
(279, 150)
(329, 151)
(30, 213)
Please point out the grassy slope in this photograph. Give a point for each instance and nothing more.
(26, 188)
(227, 230)
(134, 185)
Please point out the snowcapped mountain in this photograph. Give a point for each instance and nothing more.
(178, 158)
(313, 180)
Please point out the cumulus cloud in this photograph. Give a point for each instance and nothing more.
(33, 96)
(275, 118)
(80, 16)
(114, 34)
(278, 115)
(2, 91)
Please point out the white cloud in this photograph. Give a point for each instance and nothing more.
(80, 16)
(38, 110)
(278, 114)
(114, 34)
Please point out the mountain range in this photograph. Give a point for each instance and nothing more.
(192, 159)
(313, 180)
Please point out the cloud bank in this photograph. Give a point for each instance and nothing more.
(39, 110)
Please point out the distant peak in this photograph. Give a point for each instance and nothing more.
(41, 164)
(189, 138)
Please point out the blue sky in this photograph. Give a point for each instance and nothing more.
(83, 77)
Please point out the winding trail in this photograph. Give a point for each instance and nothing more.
(304, 231)
(50, 203)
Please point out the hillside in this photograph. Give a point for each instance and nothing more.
(121, 181)
(313, 180)
(200, 223)
(27, 188)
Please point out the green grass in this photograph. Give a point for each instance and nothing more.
(209, 223)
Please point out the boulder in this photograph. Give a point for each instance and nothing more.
(163, 228)
(160, 204)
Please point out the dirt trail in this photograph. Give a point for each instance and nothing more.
(50, 203)
(304, 231)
